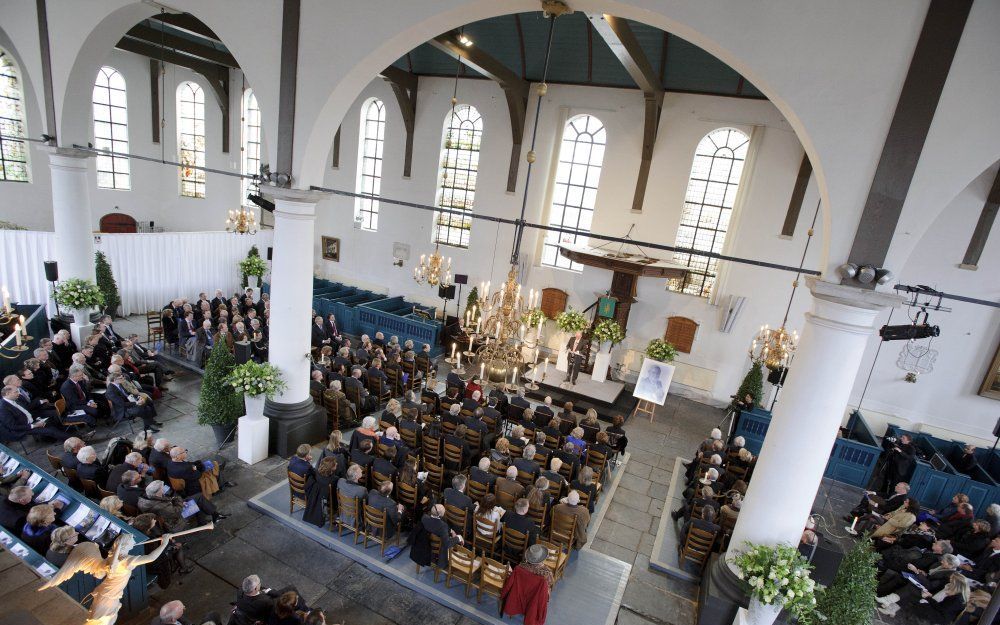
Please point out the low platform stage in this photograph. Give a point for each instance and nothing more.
(607, 398)
(589, 593)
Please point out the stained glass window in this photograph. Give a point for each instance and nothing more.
(111, 129)
(463, 133)
(191, 138)
(370, 145)
(13, 153)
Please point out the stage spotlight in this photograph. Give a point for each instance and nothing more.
(261, 202)
(866, 274)
(908, 332)
(848, 270)
(883, 276)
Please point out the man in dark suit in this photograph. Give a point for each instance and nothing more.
(16, 421)
(319, 338)
(375, 372)
(301, 463)
(381, 499)
(457, 381)
(204, 340)
(434, 399)
(481, 474)
(218, 300)
(574, 357)
(475, 423)
(871, 502)
(519, 521)
(38, 407)
(316, 381)
(473, 402)
(14, 509)
(387, 465)
(130, 488)
(349, 487)
(89, 468)
(553, 475)
(545, 408)
(900, 461)
(519, 400)
(132, 462)
(354, 383)
(76, 392)
(181, 468)
(126, 406)
(362, 454)
(455, 496)
(527, 463)
(187, 334)
(71, 446)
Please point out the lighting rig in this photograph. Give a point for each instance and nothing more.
(920, 328)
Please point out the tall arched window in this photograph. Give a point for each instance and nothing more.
(581, 157)
(191, 138)
(250, 146)
(463, 133)
(708, 206)
(13, 153)
(111, 129)
(370, 144)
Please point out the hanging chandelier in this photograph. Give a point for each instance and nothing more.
(774, 347)
(241, 221)
(435, 271)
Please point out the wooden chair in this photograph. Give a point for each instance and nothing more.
(726, 526)
(462, 564)
(435, 542)
(90, 488)
(562, 529)
(101, 493)
(178, 485)
(538, 514)
(435, 476)
(408, 496)
(513, 545)
(476, 491)
(409, 437)
(457, 519)
(584, 498)
(378, 478)
(129, 510)
(485, 535)
(516, 451)
(448, 426)
(498, 469)
(598, 462)
(348, 507)
(525, 479)
(697, 547)
(566, 470)
(317, 396)
(505, 499)
(555, 490)
(54, 461)
(431, 448)
(492, 578)
(590, 433)
(491, 423)
(454, 459)
(354, 395)
(71, 475)
(377, 526)
(154, 326)
(738, 472)
(379, 390)
(332, 414)
(296, 491)
(411, 372)
(474, 439)
(556, 560)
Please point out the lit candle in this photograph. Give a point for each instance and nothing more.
(479, 323)
(458, 365)
(538, 334)
(545, 369)
(853, 523)
(522, 332)
(487, 341)
(513, 376)
(453, 346)
(482, 370)
(17, 335)
(24, 330)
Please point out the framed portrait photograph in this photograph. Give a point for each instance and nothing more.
(331, 249)
(654, 381)
(991, 382)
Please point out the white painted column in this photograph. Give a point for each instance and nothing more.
(73, 224)
(806, 419)
(291, 289)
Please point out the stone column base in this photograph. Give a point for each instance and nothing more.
(294, 424)
(721, 593)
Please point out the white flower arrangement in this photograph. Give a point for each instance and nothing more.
(609, 331)
(256, 379)
(778, 575)
(571, 321)
(79, 294)
(253, 266)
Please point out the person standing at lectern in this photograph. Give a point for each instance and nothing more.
(574, 357)
(900, 462)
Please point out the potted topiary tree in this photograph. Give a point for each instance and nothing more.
(219, 404)
(752, 385)
(106, 283)
(850, 600)
(777, 576)
(607, 332)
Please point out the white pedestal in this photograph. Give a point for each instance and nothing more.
(562, 361)
(254, 283)
(81, 327)
(601, 363)
(252, 439)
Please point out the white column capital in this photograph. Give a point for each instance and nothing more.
(68, 158)
(852, 296)
(298, 196)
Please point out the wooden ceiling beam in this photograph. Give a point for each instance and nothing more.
(404, 87)
(188, 22)
(181, 44)
(619, 36)
(515, 89)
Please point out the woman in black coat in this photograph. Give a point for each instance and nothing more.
(320, 490)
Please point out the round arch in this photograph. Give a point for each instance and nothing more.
(309, 163)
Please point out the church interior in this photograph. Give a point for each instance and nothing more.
(611, 312)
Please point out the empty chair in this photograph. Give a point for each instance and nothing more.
(492, 578)
(462, 564)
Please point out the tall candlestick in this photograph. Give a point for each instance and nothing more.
(453, 346)
(17, 335)
(482, 371)
(545, 369)
(6, 299)
(472, 338)
(513, 376)
(458, 365)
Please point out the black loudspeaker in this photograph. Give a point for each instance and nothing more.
(270, 251)
(51, 271)
(996, 429)
(777, 376)
(461, 278)
(446, 292)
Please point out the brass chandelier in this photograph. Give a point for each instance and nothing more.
(774, 347)
(435, 271)
(241, 221)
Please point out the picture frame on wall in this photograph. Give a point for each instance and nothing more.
(331, 249)
(991, 383)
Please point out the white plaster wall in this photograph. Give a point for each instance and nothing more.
(947, 398)
(366, 257)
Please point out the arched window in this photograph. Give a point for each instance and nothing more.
(191, 138)
(463, 132)
(111, 129)
(581, 157)
(13, 153)
(371, 140)
(250, 146)
(708, 206)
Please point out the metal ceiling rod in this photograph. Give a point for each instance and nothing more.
(922, 290)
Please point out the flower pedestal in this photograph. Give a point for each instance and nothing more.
(254, 283)
(253, 431)
(81, 327)
(602, 360)
(758, 613)
(562, 361)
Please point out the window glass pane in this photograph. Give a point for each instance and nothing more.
(581, 157)
(458, 172)
(370, 144)
(111, 128)
(13, 155)
(191, 139)
(708, 204)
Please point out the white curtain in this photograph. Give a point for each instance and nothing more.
(153, 268)
(21, 271)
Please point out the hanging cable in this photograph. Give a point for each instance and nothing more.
(802, 262)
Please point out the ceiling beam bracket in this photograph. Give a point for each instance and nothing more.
(404, 86)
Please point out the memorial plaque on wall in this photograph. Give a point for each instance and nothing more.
(553, 302)
(680, 333)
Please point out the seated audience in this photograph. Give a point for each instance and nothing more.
(301, 463)
(63, 540)
(570, 505)
(38, 527)
(526, 591)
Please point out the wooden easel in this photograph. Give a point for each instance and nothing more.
(645, 407)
